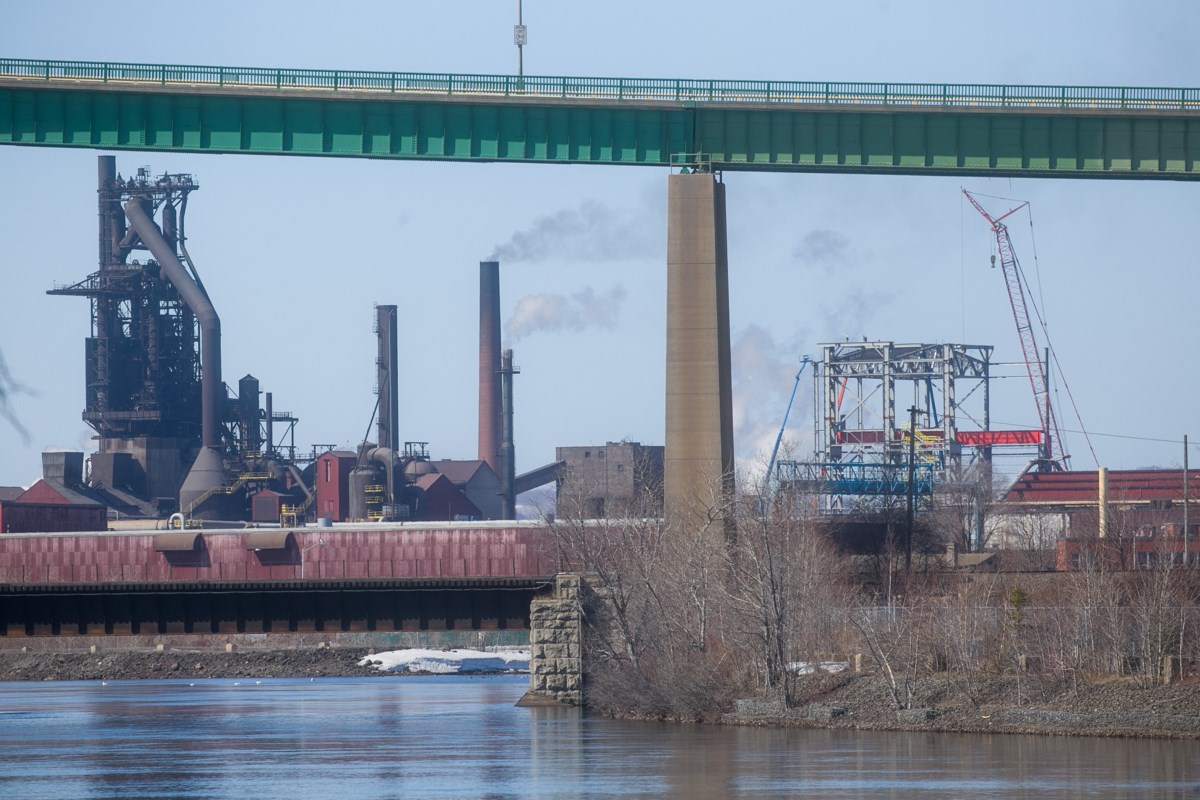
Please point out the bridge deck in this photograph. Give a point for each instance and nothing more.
(962, 129)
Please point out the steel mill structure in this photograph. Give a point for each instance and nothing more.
(174, 439)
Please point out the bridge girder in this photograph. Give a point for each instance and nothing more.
(857, 131)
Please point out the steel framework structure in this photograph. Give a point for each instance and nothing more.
(863, 444)
(143, 365)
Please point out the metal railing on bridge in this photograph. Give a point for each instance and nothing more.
(633, 90)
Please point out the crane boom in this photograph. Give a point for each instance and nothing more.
(1034, 364)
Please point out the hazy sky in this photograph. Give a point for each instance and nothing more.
(295, 251)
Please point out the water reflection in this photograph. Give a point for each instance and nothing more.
(462, 737)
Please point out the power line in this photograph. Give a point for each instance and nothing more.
(1109, 435)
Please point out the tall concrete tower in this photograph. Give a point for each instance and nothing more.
(698, 460)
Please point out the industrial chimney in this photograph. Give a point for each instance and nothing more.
(489, 363)
(387, 378)
(508, 464)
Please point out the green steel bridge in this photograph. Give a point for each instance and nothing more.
(781, 126)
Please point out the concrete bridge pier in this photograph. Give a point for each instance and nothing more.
(698, 459)
(556, 646)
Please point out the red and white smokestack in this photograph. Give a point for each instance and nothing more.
(489, 363)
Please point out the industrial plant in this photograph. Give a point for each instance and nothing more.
(173, 438)
(892, 422)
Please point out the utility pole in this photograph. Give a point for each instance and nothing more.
(520, 37)
(1186, 500)
(912, 470)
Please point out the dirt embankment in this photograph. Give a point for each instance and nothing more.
(307, 663)
(988, 705)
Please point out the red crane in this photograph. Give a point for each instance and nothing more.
(1029, 344)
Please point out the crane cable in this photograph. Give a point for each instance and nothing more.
(1046, 330)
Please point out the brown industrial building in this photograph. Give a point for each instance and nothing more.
(1121, 519)
(617, 479)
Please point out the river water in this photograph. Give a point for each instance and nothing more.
(461, 737)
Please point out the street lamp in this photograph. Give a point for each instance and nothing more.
(320, 543)
(520, 37)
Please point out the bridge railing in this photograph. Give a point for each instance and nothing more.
(670, 90)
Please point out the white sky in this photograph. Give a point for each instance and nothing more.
(295, 251)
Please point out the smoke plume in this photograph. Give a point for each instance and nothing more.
(555, 312)
(764, 372)
(593, 232)
(827, 251)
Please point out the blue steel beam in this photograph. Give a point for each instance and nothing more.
(1045, 131)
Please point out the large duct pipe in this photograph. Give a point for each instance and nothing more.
(489, 363)
(387, 458)
(208, 470)
(199, 304)
(386, 376)
(508, 464)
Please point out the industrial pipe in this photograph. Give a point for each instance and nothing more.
(208, 470)
(387, 458)
(269, 425)
(199, 304)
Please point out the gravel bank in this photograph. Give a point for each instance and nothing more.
(116, 666)
(949, 703)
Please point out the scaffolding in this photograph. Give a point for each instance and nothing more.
(863, 444)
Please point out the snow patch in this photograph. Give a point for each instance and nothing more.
(809, 667)
(447, 662)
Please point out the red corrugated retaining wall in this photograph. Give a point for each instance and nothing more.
(510, 552)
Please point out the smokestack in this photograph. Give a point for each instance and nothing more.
(386, 377)
(508, 463)
(489, 363)
(106, 173)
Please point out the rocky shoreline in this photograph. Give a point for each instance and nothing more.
(955, 704)
(189, 664)
(942, 703)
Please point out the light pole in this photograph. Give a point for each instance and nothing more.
(320, 543)
(520, 37)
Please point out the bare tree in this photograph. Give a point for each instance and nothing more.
(9, 387)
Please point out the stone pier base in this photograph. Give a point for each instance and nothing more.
(556, 644)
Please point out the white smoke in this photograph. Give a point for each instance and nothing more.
(764, 372)
(593, 232)
(555, 312)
